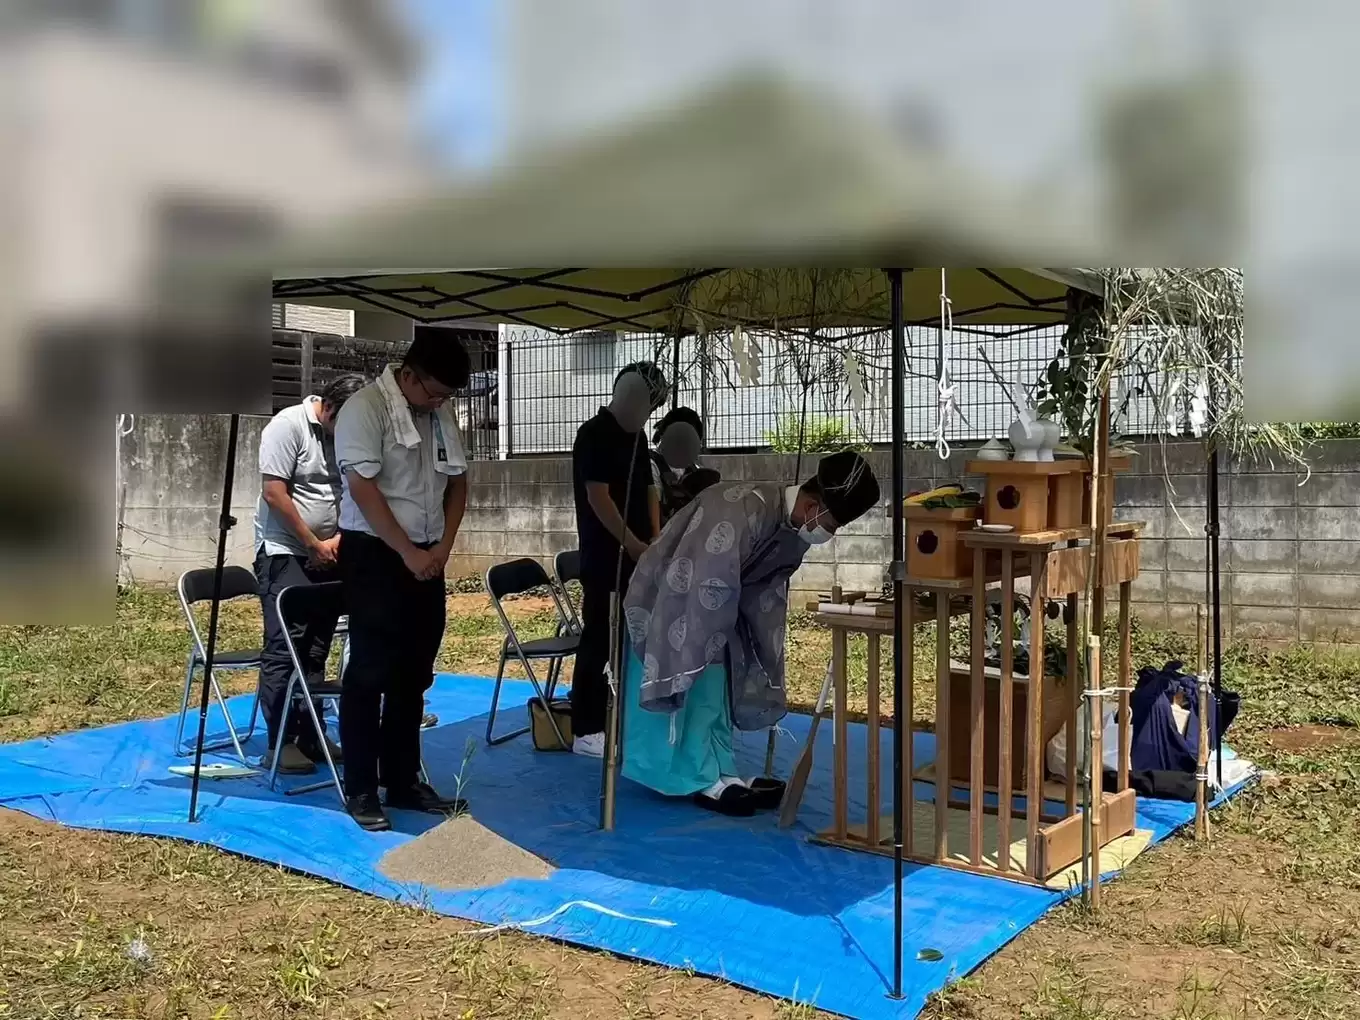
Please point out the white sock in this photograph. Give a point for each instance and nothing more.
(715, 791)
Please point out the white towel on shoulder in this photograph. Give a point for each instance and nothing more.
(453, 460)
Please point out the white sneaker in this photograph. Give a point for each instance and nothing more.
(591, 745)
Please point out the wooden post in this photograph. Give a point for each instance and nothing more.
(1034, 723)
(1125, 680)
(908, 646)
(1202, 763)
(977, 689)
(1005, 780)
(871, 683)
(942, 778)
(842, 776)
(1095, 764)
(840, 769)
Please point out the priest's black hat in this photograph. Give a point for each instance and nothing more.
(846, 485)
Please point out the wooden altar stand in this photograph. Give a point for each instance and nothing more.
(991, 727)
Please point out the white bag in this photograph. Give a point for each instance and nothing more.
(1057, 747)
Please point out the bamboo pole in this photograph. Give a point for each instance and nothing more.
(1095, 628)
(1074, 701)
(1095, 767)
(1125, 680)
(1202, 762)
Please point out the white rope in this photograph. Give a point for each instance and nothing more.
(945, 389)
(1105, 692)
(585, 904)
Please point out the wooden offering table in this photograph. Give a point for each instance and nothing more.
(991, 733)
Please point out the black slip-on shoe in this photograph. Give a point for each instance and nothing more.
(423, 797)
(736, 801)
(767, 793)
(367, 812)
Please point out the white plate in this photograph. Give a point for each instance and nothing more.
(996, 529)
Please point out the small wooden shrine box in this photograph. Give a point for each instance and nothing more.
(935, 546)
(1021, 493)
(1068, 496)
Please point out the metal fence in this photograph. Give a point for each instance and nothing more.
(756, 391)
(304, 362)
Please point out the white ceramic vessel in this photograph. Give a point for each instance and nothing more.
(993, 449)
(1050, 433)
(1027, 438)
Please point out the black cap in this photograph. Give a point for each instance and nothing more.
(846, 485)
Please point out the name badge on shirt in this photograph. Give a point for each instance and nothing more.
(441, 452)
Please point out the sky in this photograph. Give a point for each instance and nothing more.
(459, 99)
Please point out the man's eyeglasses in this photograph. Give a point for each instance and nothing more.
(435, 398)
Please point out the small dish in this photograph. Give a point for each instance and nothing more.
(995, 529)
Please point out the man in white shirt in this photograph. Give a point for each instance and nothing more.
(405, 490)
(297, 535)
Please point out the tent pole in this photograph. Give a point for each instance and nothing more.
(899, 608)
(675, 368)
(1211, 526)
(225, 523)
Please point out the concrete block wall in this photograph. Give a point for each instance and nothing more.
(1290, 544)
(1290, 550)
(172, 468)
(1290, 540)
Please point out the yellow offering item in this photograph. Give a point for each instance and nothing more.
(943, 490)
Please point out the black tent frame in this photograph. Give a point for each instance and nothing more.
(361, 288)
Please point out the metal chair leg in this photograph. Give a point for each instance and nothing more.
(325, 750)
(283, 729)
(232, 739)
(493, 741)
(184, 704)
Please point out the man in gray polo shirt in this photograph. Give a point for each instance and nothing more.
(405, 490)
(297, 538)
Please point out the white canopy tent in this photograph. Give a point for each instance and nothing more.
(754, 176)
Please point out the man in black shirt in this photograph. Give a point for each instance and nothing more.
(618, 514)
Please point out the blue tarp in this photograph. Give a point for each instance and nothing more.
(732, 898)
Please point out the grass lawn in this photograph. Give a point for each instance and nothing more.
(1262, 923)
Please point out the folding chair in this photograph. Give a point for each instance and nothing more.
(566, 568)
(515, 578)
(196, 586)
(296, 602)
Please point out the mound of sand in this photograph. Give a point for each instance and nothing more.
(461, 854)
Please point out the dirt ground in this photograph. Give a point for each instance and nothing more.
(1260, 923)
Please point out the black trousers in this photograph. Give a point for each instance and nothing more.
(395, 626)
(589, 688)
(311, 637)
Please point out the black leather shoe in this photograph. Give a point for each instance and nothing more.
(423, 797)
(367, 811)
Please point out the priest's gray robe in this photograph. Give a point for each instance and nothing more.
(712, 588)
